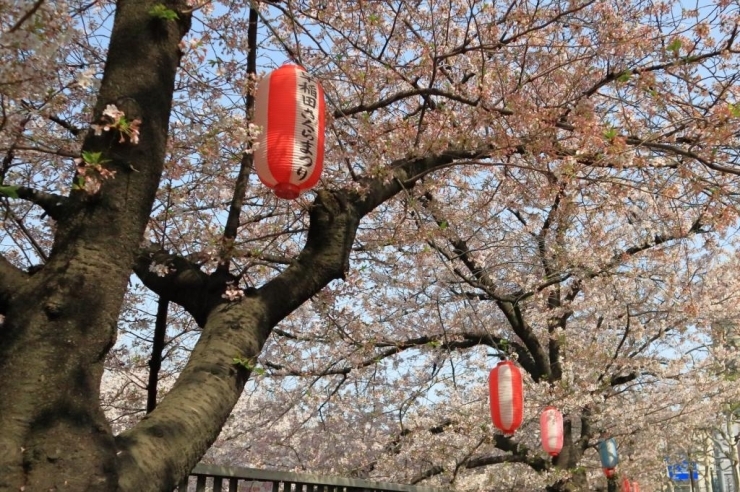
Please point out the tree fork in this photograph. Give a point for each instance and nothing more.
(61, 322)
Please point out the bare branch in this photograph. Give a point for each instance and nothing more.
(44, 150)
(519, 454)
(155, 363)
(245, 166)
(66, 125)
(463, 341)
(27, 15)
(540, 366)
(424, 92)
(51, 203)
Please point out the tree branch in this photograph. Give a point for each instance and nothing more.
(50, 203)
(423, 92)
(245, 166)
(209, 386)
(155, 363)
(440, 342)
(519, 454)
(181, 281)
(66, 125)
(537, 364)
(27, 15)
(44, 150)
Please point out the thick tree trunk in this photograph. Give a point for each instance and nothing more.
(61, 322)
(52, 430)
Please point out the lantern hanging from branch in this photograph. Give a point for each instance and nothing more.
(505, 386)
(635, 487)
(551, 430)
(608, 453)
(289, 109)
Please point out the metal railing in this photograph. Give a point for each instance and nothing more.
(210, 478)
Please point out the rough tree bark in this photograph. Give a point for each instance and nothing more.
(60, 322)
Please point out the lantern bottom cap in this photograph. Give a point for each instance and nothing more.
(286, 191)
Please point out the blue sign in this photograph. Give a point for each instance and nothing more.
(679, 472)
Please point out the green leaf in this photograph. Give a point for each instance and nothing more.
(675, 46)
(9, 191)
(239, 361)
(734, 110)
(247, 364)
(625, 77)
(93, 157)
(610, 134)
(443, 225)
(162, 12)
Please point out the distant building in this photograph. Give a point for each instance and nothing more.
(726, 455)
(726, 336)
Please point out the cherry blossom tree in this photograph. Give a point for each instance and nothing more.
(552, 182)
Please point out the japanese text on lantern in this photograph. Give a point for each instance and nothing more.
(308, 117)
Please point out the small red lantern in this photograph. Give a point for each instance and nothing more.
(635, 487)
(551, 430)
(626, 486)
(289, 109)
(608, 472)
(505, 386)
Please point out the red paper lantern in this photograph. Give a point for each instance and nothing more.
(635, 487)
(505, 386)
(608, 472)
(626, 486)
(551, 430)
(289, 109)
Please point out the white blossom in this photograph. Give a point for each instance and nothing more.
(232, 293)
(159, 269)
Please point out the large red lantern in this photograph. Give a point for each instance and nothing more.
(505, 386)
(289, 109)
(551, 430)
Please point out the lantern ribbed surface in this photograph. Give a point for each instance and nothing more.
(506, 395)
(551, 430)
(289, 109)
